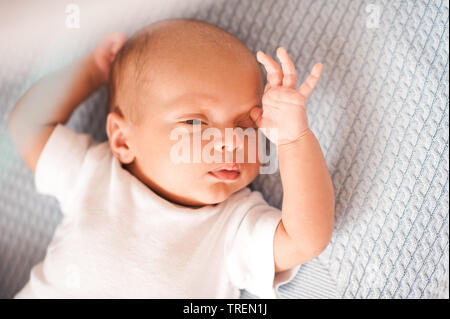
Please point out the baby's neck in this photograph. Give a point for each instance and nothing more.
(173, 198)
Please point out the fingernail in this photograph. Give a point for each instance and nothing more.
(259, 56)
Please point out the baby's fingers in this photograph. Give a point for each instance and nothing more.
(274, 72)
(289, 72)
(118, 40)
(311, 81)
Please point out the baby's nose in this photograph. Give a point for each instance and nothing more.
(224, 145)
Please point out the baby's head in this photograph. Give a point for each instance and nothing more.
(165, 76)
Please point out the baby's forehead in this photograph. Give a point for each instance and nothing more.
(196, 80)
(185, 42)
(183, 55)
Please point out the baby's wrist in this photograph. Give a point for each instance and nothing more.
(282, 147)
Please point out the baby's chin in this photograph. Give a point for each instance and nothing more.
(218, 193)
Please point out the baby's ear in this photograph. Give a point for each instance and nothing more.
(118, 134)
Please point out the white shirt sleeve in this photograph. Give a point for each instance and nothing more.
(60, 162)
(249, 253)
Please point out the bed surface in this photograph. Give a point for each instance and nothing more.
(380, 113)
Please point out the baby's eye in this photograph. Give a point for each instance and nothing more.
(192, 122)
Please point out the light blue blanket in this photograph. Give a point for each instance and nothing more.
(380, 113)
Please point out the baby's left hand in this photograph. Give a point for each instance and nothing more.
(284, 106)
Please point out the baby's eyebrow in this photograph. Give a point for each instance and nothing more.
(201, 101)
(191, 115)
(240, 117)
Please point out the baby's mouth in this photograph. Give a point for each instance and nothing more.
(226, 172)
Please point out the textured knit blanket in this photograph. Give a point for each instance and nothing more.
(380, 113)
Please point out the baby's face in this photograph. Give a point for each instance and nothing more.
(221, 95)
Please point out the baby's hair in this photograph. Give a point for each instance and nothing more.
(150, 47)
(131, 51)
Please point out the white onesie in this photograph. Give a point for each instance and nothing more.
(119, 239)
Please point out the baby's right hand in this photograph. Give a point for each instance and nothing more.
(104, 54)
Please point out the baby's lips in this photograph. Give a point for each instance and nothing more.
(229, 166)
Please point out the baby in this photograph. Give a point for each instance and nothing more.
(138, 224)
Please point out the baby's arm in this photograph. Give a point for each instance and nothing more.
(52, 99)
(308, 202)
(308, 196)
